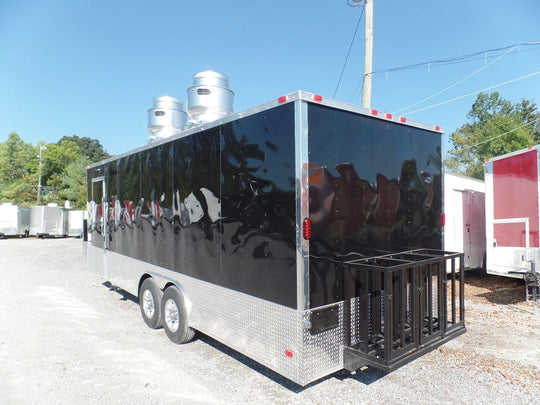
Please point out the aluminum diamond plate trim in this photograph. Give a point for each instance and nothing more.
(264, 331)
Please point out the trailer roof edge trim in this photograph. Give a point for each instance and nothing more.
(515, 153)
(289, 98)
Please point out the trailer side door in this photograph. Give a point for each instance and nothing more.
(97, 212)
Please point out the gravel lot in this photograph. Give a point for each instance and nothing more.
(66, 337)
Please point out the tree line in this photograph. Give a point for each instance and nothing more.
(496, 126)
(62, 170)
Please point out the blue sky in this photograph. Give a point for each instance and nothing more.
(92, 68)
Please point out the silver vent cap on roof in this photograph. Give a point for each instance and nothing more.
(209, 98)
(166, 117)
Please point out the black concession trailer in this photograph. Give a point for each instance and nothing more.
(305, 233)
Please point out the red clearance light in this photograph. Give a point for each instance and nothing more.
(282, 99)
(289, 353)
(442, 219)
(402, 119)
(388, 115)
(437, 128)
(306, 229)
(316, 97)
(374, 112)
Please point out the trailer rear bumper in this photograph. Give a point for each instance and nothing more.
(354, 359)
(406, 305)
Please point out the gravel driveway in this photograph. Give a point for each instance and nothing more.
(66, 337)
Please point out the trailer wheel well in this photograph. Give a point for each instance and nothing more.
(144, 277)
(180, 288)
(169, 284)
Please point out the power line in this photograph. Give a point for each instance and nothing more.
(238, 19)
(501, 135)
(456, 83)
(458, 59)
(290, 41)
(475, 92)
(349, 51)
(455, 59)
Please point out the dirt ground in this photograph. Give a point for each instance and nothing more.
(503, 333)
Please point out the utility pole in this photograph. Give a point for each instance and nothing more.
(368, 55)
(41, 149)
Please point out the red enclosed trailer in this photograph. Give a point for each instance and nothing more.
(512, 204)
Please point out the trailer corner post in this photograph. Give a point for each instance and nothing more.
(302, 201)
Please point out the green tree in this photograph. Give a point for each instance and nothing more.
(73, 183)
(91, 148)
(63, 170)
(22, 192)
(18, 171)
(497, 127)
(56, 159)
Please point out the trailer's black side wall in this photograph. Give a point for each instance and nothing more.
(218, 205)
(374, 185)
(258, 205)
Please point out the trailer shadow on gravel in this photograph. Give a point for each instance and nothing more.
(495, 289)
(366, 377)
(125, 296)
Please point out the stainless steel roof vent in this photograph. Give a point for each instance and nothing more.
(166, 118)
(209, 98)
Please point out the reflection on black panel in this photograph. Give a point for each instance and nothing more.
(373, 186)
(196, 206)
(156, 231)
(258, 205)
(128, 206)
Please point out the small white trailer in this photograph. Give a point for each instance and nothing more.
(464, 208)
(75, 223)
(14, 220)
(48, 221)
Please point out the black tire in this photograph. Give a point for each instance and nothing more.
(175, 317)
(150, 303)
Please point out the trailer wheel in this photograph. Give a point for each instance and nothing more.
(175, 319)
(150, 303)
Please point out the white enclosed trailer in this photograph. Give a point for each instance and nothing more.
(75, 223)
(48, 221)
(14, 220)
(465, 228)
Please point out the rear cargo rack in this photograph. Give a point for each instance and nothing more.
(401, 305)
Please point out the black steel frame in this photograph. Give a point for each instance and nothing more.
(402, 305)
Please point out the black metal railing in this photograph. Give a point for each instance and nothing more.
(401, 305)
